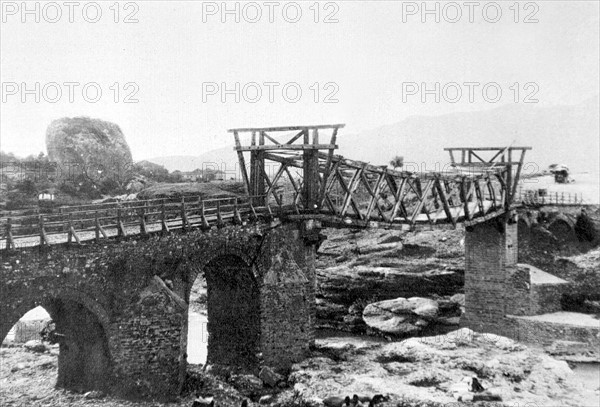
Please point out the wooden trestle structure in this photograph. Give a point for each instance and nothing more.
(311, 182)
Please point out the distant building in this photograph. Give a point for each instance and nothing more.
(202, 176)
(192, 176)
(47, 195)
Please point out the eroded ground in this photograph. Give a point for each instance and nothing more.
(427, 371)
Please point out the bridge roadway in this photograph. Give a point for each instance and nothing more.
(331, 189)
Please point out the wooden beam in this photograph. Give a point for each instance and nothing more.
(296, 137)
(445, 203)
(485, 148)
(351, 189)
(342, 182)
(241, 160)
(288, 128)
(398, 199)
(294, 147)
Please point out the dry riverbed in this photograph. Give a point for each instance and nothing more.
(414, 372)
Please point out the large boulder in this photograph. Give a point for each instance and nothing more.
(91, 152)
(400, 316)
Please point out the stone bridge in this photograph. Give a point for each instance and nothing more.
(123, 304)
(116, 278)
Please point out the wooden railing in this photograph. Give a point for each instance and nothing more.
(138, 217)
(530, 197)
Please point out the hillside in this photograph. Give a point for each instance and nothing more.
(564, 134)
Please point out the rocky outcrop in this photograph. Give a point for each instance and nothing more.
(355, 269)
(92, 150)
(412, 316)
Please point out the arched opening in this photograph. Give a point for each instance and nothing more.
(233, 307)
(197, 339)
(72, 352)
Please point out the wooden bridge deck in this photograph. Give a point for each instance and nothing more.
(332, 189)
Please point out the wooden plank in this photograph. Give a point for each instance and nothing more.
(291, 162)
(288, 128)
(292, 147)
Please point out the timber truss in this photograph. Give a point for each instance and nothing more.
(295, 168)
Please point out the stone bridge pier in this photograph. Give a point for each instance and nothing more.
(491, 250)
(122, 305)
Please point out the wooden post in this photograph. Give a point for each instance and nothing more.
(311, 177)
(163, 217)
(220, 222)
(119, 231)
(72, 233)
(237, 218)
(253, 215)
(69, 228)
(184, 221)
(205, 225)
(42, 231)
(9, 237)
(257, 170)
(120, 227)
(143, 229)
(97, 229)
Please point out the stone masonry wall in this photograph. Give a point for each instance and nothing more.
(135, 292)
(490, 256)
(544, 333)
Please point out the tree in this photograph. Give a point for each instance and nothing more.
(397, 162)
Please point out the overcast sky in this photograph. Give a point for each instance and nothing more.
(172, 57)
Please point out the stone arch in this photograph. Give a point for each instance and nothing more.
(563, 229)
(226, 251)
(233, 303)
(84, 361)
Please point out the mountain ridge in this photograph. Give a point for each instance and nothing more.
(567, 134)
